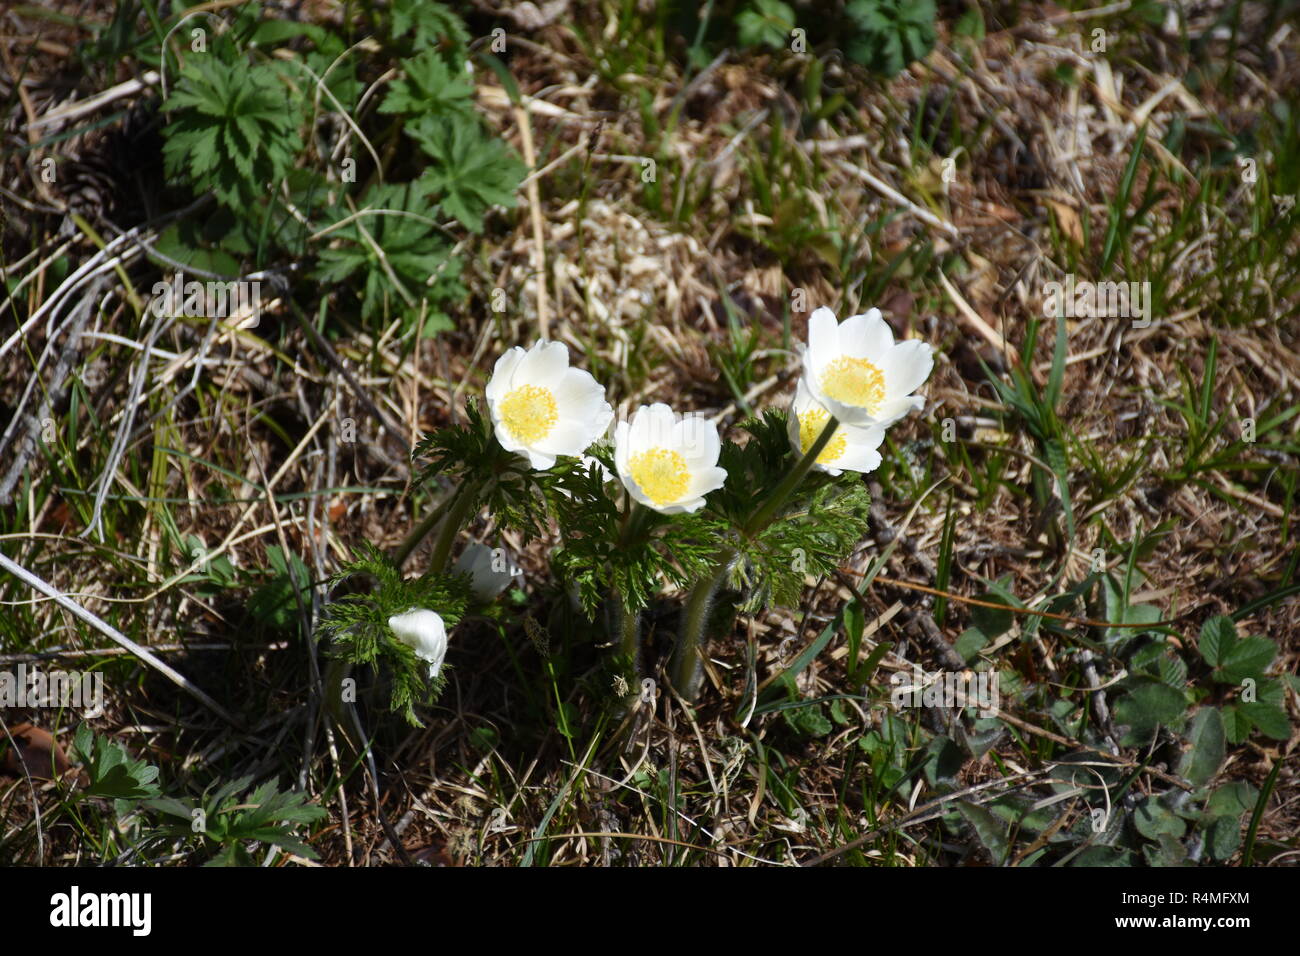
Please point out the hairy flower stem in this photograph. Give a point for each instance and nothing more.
(687, 669)
(767, 511)
(628, 621)
(451, 526)
(418, 533)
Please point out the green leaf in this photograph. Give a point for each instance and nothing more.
(1218, 635)
(112, 772)
(429, 88)
(943, 761)
(357, 623)
(1236, 724)
(1167, 852)
(891, 33)
(1147, 704)
(1205, 747)
(1268, 712)
(991, 622)
(1248, 658)
(766, 23)
(233, 130)
(970, 642)
(1103, 856)
(808, 720)
(1232, 799)
(470, 172)
(393, 246)
(1223, 837)
(429, 24)
(786, 678)
(274, 605)
(1153, 819)
(989, 830)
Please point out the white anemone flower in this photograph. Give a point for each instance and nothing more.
(668, 463)
(490, 570)
(850, 448)
(424, 631)
(541, 408)
(858, 373)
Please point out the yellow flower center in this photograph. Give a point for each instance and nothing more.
(811, 424)
(661, 474)
(854, 381)
(529, 412)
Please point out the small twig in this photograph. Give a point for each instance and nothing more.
(114, 634)
(535, 212)
(332, 357)
(72, 652)
(889, 192)
(389, 832)
(1052, 615)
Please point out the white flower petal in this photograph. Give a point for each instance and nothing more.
(856, 359)
(906, 367)
(622, 442)
(507, 440)
(697, 440)
(539, 460)
(423, 630)
(866, 336)
(544, 365)
(580, 397)
(541, 408)
(860, 458)
(487, 570)
(568, 437)
(652, 426)
(894, 409)
(706, 480)
(639, 496)
(677, 458)
(502, 374)
(823, 338)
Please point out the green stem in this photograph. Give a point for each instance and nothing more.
(764, 515)
(629, 631)
(409, 543)
(628, 621)
(688, 668)
(332, 687)
(451, 526)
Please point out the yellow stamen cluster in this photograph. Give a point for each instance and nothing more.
(530, 413)
(660, 473)
(811, 424)
(854, 381)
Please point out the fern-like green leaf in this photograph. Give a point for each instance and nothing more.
(470, 172)
(394, 244)
(429, 88)
(233, 129)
